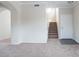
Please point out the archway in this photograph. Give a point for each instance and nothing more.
(10, 8)
(5, 25)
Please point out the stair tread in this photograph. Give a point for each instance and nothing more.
(53, 33)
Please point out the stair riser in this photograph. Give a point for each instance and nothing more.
(52, 36)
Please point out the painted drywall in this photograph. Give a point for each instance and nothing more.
(66, 23)
(5, 23)
(76, 22)
(29, 24)
(34, 24)
(14, 8)
(16, 33)
(51, 14)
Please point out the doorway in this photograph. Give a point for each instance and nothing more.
(5, 26)
(52, 23)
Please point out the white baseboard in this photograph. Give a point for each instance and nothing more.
(76, 40)
(16, 43)
(3, 38)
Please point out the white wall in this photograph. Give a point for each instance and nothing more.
(30, 24)
(34, 24)
(5, 23)
(51, 14)
(66, 23)
(76, 22)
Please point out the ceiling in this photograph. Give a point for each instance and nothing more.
(52, 3)
(49, 3)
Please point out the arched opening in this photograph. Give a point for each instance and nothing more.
(13, 19)
(5, 26)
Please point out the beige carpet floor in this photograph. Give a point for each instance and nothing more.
(51, 49)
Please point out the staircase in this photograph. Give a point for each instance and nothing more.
(53, 32)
